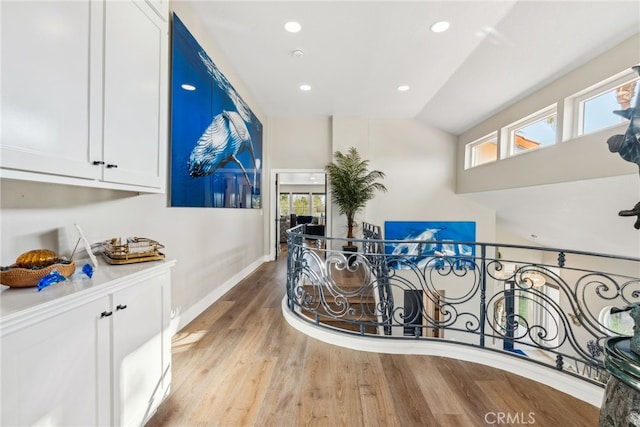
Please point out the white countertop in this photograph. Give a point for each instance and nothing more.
(22, 301)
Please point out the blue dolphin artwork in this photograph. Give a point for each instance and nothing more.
(216, 140)
(628, 146)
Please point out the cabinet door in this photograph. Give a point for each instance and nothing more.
(47, 86)
(133, 142)
(161, 7)
(141, 358)
(56, 372)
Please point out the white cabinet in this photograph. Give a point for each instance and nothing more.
(161, 7)
(134, 146)
(84, 93)
(46, 83)
(89, 352)
(49, 370)
(141, 351)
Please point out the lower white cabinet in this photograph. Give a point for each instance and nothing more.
(141, 350)
(91, 354)
(53, 372)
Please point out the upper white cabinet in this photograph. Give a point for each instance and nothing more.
(161, 7)
(84, 93)
(46, 83)
(133, 92)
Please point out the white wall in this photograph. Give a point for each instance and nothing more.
(419, 163)
(214, 247)
(300, 143)
(580, 158)
(418, 160)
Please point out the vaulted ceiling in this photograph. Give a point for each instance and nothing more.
(355, 54)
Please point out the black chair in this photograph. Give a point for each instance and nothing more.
(304, 219)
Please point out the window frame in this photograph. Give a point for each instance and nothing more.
(470, 150)
(575, 103)
(509, 131)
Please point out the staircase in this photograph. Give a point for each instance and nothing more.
(351, 293)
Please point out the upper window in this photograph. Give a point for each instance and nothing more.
(481, 151)
(533, 132)
(585, 112)
(593, 108)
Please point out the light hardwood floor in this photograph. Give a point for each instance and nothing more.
(240, 364)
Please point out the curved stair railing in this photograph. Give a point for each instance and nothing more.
(542, 305)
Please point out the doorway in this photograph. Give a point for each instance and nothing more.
(298, 193)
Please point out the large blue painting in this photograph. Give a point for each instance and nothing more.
(216, 140)
(442, 243)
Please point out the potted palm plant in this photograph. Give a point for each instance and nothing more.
(352, 185)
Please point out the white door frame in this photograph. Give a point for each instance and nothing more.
(273, 204)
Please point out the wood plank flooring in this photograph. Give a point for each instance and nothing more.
(240, 364)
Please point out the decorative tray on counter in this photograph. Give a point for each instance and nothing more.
(131, 250)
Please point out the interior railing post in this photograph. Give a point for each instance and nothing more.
(483, 292)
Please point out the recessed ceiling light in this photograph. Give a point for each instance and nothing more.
(305, 87)
(439, 27)
(403, 88)
(292, 26)
(297, 53)
(188, 87)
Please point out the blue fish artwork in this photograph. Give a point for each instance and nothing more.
(628, 146)
(216, 140)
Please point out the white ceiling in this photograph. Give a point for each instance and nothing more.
(301, 178)
(356, 53)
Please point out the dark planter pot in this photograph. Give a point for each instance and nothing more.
(350, 258)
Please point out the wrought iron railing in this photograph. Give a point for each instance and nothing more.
(544, 305)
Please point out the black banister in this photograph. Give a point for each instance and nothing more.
(503, 297)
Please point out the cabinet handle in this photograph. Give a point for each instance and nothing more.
(111, 166)
(121, 307)
(98, 162)
(106, 314)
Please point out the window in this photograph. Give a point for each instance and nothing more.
(312, 204)
(318, 205)
(301, 203)
(533, 132)
(481, 151)
(285, 209)
(585, 112)
(594, 106)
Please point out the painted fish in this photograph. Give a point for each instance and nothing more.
(226, 137)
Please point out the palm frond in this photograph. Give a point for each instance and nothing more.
(351, 183)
